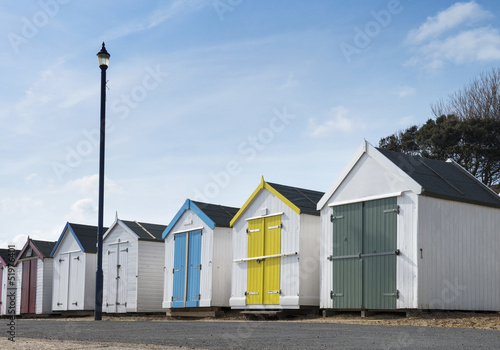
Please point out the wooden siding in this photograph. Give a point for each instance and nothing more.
(150, 276)
(90, 276)
(221, 266)
(290, 243)
(309, 263)
(458, 268)
(19, 278)
(44, 286)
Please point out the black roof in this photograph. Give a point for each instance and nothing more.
(305, 200)
(446, 180)
(141, 229)
(4, 253)
(219, 214)
(87, 235)
(44, 247)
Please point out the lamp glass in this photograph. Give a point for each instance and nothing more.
(103, 59)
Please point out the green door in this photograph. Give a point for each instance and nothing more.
(364, 255)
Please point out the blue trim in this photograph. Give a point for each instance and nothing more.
(68, 226)
(188, 204)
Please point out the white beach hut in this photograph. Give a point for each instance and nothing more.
(406, 232)
(276, 249)
(75, 264)
(198, 256)
(7, 258)
(133, 259)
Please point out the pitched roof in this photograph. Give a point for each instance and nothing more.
(446, 180)
(220, 214)
(299, 200)
(305, 200)
(145, 231)
(85, 235)
(211, 214)
(44, 247)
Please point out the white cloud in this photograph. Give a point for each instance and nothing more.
(478, 45)
(82, 210)
(337, 121)
(463, 42)
(456, 15)
(89, 186)
(33, 178)
(11, 206)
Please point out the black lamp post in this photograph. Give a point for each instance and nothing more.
(103, 58)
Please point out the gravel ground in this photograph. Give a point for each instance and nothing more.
(345, 331)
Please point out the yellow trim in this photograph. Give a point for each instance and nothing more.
(263, 185)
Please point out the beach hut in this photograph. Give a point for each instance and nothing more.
(7, 258)
(34, 270)
(133, 259)
(406, 232)
(198, 256)
(275, 249)
(75, 265)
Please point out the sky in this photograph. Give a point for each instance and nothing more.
(204, 97)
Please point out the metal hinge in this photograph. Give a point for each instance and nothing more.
(251, 293)
(392, 294)
(277, 226)
(124, 250)
(59, 304)
(333, 217)
(274, 291)
(77, 258)
(256, 230)
(174, 270)
(330, 258)
(332, 294)
(75, 303)
(61, 260)
(174, 298)
(197, 267)
(395, 210)
(197, 297)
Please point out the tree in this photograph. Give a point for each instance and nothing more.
(474, 143)
(479, 99)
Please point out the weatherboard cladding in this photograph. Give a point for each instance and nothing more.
(219, 214)
(305, 200)
(443, 179)
(153, 229)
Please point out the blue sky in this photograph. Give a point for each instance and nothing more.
(206, 96)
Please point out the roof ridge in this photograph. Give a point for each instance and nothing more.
(305, 196)
(149, 233)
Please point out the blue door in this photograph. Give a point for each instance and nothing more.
(187, 266)
(194, 267)
(178, 295)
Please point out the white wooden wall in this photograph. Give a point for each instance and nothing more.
(220, 266)
(310, 231)
(290, 242)
(460, 264)
(150, 276)
(3, 285)
(19, 279)
(90, 276)
(44, 285)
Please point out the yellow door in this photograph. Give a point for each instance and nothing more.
(255, 268)
(272, 246)
(263, 275)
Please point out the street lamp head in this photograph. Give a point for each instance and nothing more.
(103, 57)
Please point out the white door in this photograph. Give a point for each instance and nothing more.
(110, 278)
(76, 281)
(60, 297)
(122, 272)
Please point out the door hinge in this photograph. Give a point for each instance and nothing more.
(197, 297)
(174, 298)
(256, 230)
(75, 303)
(333, 217)
(392, 294)
(61, 260)
(251, 293)
(395, 210)
(277, 226)
(274, 291)
(330, 258)
(77, 258)
(59, 304)
(197, 267)
(332, 294)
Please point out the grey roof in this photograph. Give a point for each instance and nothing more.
(305, 200)
(142, 232)
(219, 214)
(44, 247)
(87, 235)
(443, 179)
